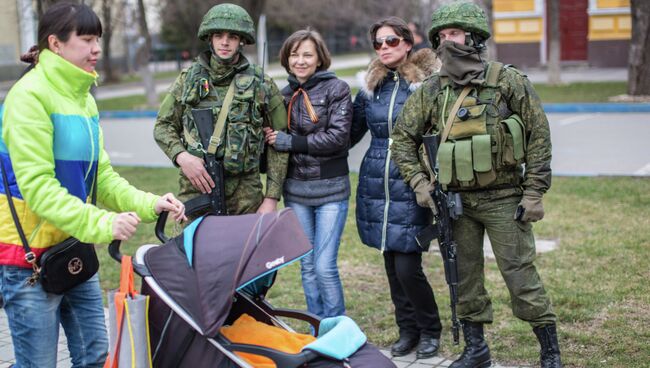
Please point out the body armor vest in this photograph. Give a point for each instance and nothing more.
(486, 144)
(242, 138)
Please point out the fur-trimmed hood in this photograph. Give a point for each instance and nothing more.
(419, 65)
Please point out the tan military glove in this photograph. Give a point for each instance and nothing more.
(422, 188)
(530, 208)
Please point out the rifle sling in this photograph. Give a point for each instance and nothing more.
(215, 140)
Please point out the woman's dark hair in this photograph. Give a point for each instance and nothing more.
(294, 41)
(61, 19)
(397, 24)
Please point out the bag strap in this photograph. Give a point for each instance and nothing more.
(452, 113)
(215, 140)
(126, 277)
(30, 257)
(125, 291)
(492, 74)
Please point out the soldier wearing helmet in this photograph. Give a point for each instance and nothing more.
(223, 76)
(495, 150)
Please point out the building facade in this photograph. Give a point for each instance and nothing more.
(592, 32)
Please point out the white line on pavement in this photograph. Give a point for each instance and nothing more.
(644, 171)
(115, 154)
(576, 119)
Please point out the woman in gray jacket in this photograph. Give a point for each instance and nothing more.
(317, 187)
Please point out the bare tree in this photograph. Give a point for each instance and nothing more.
(554, 42)
(639, 69)
(182, 18)
(43, 5)
(143, 55)
(334, 18)
(255, 8)
(107, 25)
(491, 44)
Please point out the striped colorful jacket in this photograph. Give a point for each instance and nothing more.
(51, 146)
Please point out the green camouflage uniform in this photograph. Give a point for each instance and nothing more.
(490, 195)
(242, 135)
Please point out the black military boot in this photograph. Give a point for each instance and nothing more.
(427, 347)
(404, 345)
(549, 354)
(476, 353)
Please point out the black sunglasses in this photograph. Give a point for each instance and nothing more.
(391, 41)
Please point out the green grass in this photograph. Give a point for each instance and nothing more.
(580, 92)
(136, 102)
(348, 72)
(573, 92)
(597, 278)
(132, 78)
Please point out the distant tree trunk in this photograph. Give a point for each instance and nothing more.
(143, 56)
(639, 69)
(491, 44)
(255, 8)
(107, 25)
(554, 42)
(43, 5)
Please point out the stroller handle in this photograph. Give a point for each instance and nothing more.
(114, 250)
(160, 227)
(114, 247)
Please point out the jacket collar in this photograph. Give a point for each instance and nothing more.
(219, 72)
(316, 78)
(67, 78)
(419, 65)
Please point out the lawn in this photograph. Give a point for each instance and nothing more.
(597, 278)
(572, 92)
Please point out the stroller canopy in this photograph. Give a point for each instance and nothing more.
(216, 255)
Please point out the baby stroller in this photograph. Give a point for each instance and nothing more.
(219, 268)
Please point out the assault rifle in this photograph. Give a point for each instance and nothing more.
(448, 207)
(215, 201)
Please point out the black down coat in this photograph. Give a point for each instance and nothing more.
(319, 151)
(388, 217)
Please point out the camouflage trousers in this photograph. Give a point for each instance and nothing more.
(513, 244)
(244, 193)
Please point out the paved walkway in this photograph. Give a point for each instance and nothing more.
(7, 353)
(569, 74)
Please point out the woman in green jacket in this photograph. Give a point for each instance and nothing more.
(52, 150)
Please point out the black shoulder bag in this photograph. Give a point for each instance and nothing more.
(64, 265)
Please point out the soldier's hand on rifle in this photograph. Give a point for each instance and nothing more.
(530, 208)
(194, 169)
(423, 188)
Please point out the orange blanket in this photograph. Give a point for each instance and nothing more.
(246, 330)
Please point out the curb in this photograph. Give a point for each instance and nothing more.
(548, 108)
(596, 107)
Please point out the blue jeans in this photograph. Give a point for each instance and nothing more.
(320, 274)
(34, 317)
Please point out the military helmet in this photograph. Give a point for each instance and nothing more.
(464, 15)
(230, 18)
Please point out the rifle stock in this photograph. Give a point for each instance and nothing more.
(448, 208)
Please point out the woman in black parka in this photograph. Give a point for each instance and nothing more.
(388, 216)
(317, 186)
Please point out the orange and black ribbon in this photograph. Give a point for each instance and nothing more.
(308, 105)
